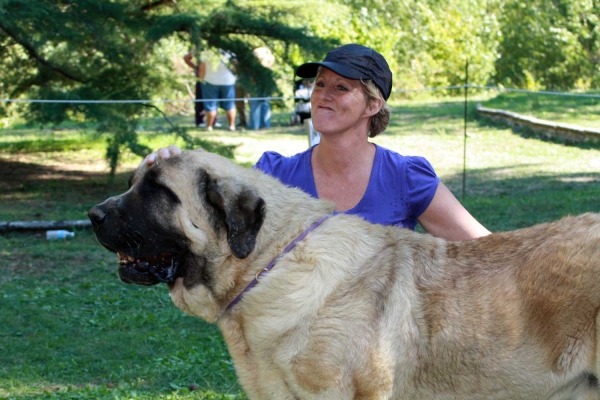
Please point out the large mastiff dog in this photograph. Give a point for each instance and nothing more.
(351, 310)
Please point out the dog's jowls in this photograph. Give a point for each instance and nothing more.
(357, 310)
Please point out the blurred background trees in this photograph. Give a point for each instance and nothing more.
(549, 44)
(131, 49)
(123, 50)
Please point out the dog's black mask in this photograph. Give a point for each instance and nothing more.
(136, 226)
(141, 225)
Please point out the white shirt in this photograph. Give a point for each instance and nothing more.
(216, 71)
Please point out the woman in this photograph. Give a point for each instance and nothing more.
(198, 105)
(348, 106)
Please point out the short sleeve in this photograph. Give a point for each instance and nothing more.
(421, 184)
(294, 171)
(270, 161)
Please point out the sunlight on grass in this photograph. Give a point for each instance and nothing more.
(582, 111)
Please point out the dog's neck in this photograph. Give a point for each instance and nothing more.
(284, 224)
(272, 264)
(289, 212)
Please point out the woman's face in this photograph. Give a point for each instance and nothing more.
(338, 104)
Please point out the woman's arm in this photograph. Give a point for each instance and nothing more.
(446, 218)
(202, 70)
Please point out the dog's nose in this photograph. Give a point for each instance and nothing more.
(97, 215)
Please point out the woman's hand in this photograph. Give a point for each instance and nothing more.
(161, 154)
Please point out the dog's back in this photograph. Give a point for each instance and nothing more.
(511, 315)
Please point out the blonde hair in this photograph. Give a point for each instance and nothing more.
(379, 121)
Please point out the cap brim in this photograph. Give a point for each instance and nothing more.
(309, 70)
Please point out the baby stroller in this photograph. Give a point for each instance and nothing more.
(302, 91)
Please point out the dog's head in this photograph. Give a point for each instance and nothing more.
(179, 218)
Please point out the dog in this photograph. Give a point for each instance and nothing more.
(319, 305)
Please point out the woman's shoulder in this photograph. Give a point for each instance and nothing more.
(271, 161)
(391, 159)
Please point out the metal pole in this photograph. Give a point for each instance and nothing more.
(464, 182)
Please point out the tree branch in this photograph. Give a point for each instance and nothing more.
(31, 50)
(157, 3)
(160, 111)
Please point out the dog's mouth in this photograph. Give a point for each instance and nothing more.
(148, 271)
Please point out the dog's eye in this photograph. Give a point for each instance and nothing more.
(155, 185)
(151, 183)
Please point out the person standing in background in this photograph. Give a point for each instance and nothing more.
(218, 83)
(240, 104)
(260, 109)
(198, 105)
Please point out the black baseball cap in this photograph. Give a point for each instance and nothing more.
(354, 61)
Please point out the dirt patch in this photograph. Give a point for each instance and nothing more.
(17, 265)
(42, 188)
(14, 173)
(19, 168)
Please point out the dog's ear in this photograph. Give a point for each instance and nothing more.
(242, 211)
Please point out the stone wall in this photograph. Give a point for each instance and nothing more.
(566, 132)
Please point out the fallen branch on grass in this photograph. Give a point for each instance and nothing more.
(43, 225)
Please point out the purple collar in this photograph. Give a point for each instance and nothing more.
(269, 267)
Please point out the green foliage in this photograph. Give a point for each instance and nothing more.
(549, 44)
(124, 49)
(531, 44)
(115, 50)
(428, 42)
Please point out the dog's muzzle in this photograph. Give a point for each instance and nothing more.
(148, 271)
(133, 267)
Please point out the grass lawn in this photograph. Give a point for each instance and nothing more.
(70, 329)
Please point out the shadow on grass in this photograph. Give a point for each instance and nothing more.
(433, 118)
(42, 145)
(31, 191)
(421, 112)
(17, 173)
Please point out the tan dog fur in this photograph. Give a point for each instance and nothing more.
(362, 311)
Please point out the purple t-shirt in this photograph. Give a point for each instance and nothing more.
(400, 187)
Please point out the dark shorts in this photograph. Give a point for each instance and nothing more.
(226, 92)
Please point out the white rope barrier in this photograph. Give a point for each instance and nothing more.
(428, 89)
(79, 101)
(589, 95)
(76, 101)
